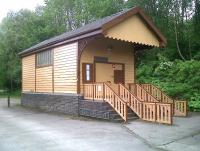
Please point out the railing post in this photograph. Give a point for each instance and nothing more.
(93, 91)
(173, 107)
(135, 89)
(126, 112)
(171, 121)
(103, 92)
(147, 98)
(114, 103)
(84, 91)
(149, 88)
(155, 112)
(186, 108)
(142, 110)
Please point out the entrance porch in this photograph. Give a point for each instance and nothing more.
(105, 60)
(108, 75)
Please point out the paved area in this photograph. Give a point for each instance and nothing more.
(30, 130)
(23, 129)
(183, 135)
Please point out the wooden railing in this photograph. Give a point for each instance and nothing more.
(157, 93)
(141, 93)
(164, 113)
(149, 111)
(116, 102)
(94, 91)
(101, 91)
(179, 107)
(134, 103)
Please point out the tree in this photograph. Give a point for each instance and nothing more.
(179, 20)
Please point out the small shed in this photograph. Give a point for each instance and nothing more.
(59, 73)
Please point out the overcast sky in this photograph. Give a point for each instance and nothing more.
(15, 5)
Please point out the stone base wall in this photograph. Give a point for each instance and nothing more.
(62, 103)
(96, 109)
(70, 104)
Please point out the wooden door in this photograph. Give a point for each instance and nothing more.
(118, 76)
(104, 73)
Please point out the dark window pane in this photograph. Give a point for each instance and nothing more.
(45, 58)
(100, 59)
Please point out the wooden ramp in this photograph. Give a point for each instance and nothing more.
(179, 107)
(146, 106)
(147, 109)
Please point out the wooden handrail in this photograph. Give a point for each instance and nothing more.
(141, 93)
(94, 91)
(179, 107)
(133, 102)
(164, 113)
(102, 91)
(150, 111)
(157, 93)
(116, 102)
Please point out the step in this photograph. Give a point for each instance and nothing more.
(105, 108)
(121, 120)
(132, 118)
(93, 104)
(118, 120)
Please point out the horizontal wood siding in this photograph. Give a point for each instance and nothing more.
(28, 74)
(65, 69)
(44, 79)
(122, 52)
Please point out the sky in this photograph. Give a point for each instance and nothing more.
(15, 5)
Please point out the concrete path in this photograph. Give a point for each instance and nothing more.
(183, 135)
(30, 130)
(24, 129)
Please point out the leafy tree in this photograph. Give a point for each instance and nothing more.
(175, 68)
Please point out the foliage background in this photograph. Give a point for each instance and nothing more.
(175, 69)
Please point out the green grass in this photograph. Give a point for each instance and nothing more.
(14, 94)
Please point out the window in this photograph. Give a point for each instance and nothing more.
(87, 72)
(45, 58)
(100, 59)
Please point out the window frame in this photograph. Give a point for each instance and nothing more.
(44, 57)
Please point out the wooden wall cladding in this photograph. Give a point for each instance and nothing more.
(28, 74)
(65, 68)
(44, 79)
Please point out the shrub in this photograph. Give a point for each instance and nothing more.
(179, 79)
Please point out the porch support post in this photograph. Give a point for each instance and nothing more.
(81, 46)
(134, 57)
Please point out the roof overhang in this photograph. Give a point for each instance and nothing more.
(62, 42)
(102, 30)
(145, 18)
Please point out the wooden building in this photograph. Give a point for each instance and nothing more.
(94, 62)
